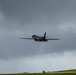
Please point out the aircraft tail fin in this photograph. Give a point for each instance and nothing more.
(44, 35)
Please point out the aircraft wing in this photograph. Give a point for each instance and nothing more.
(53, 39)
(27, 38)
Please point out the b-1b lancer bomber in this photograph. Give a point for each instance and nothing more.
(40, 38)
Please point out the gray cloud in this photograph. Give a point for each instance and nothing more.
(23, 18)
(25, 11)
(27, 17)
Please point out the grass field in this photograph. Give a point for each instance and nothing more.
(43, 74)
(62, 72)
(71, 70)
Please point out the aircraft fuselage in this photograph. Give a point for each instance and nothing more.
(39, 38)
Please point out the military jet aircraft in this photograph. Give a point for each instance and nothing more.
(40, 38)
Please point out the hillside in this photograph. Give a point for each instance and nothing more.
(71, 70)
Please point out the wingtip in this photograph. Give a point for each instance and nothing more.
(59, 39)
(19, 38)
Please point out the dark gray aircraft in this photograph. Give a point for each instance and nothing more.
(40, 38)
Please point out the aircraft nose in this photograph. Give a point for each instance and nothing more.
(32, 35)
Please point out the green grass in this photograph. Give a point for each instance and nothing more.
(62, 72)
(43, 74)
(71, 70)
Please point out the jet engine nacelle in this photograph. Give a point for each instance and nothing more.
(45, 40)
(36, 39)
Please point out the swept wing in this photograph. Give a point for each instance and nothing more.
(53, 39)
(27, 38)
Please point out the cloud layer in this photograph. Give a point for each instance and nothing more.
(23, 18)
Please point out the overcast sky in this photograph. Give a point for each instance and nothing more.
(23, 18)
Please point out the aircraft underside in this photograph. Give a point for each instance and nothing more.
(40, 40)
